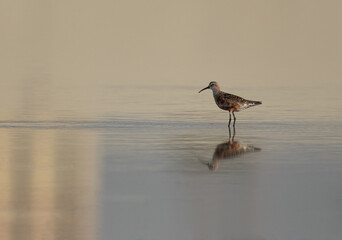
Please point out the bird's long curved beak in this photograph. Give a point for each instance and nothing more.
(204, 89)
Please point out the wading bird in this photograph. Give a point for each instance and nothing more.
(229, 102)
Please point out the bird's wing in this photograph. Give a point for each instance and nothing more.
(233, 98)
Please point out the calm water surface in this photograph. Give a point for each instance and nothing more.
(156, 162)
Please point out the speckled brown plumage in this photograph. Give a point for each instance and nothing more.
(230, 102)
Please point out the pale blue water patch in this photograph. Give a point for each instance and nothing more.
(286, 190)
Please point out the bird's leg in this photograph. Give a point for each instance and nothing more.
(234, 119)
(233, 132)
(230, 118)
(230, 134)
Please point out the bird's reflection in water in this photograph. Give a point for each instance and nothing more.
(231, 149)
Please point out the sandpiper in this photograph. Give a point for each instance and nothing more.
(229, 102)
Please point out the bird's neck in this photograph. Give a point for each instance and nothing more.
(215, 91)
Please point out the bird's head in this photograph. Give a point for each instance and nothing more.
(213, 86)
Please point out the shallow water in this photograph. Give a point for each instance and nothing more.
(169, 169)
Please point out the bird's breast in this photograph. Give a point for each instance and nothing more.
(223, 104)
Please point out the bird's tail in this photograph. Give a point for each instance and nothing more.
(254, 103)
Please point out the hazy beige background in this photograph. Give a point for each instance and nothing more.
(80, 57)
(86, 42)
